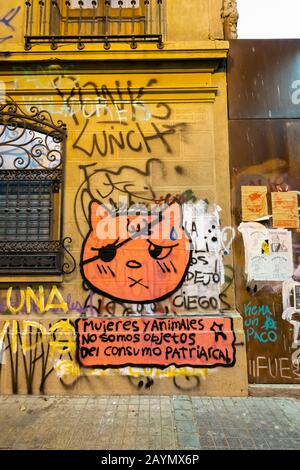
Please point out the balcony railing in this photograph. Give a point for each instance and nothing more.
(94, 21)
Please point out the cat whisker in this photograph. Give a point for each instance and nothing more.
(113, 274)
(161, 267)
(175, 270)
(103, 267)
(99, 269)
(167, 268)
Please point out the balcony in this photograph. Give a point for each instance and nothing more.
(81, 22)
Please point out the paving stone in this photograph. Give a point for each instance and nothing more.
(183, 414)
(221, 443)
(149, 422)
(234, 443)
(207, 443)
(186, 426)
(188, 441)
(182, 405)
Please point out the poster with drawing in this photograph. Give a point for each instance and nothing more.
(285, 209)
(254, 202)
(268, 252)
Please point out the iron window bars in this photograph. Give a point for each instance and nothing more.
(32, 150)
(91, 21)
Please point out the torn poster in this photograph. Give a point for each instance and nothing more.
(268, 252)
(285, 209)
(206, 271)
(254, 203)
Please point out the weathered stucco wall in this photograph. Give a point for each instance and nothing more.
(155, 134)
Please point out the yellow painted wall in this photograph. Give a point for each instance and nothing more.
(168, 108)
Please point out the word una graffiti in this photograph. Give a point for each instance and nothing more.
(27, 301)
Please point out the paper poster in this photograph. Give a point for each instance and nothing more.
(268, 252)
(254, 203)
(285, 209)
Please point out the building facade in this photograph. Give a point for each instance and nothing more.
(116, 266)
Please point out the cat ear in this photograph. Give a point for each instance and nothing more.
(98, 212)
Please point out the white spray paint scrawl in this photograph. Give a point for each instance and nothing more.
(206, 273)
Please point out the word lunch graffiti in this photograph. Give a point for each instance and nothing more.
(6, 27)
(205, 342)
(108, 109)
(259, 324)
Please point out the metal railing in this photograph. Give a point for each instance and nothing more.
(94, 21)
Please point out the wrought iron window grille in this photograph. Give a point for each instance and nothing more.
(94, 21)
(32, 153)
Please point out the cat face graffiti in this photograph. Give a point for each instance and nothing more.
(136, 259)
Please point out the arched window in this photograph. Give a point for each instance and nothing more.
(32, 150)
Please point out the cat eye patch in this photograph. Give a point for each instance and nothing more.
(106, 253)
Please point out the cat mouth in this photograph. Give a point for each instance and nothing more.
(137, 282)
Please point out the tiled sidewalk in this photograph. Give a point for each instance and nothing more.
(149, 423)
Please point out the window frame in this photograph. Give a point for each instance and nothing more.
(19, 257)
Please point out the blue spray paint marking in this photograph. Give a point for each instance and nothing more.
(173, 234)
(259, 324)
(6, 22)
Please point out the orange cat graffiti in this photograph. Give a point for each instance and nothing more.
(135, 258)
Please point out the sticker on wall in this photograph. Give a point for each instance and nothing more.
(254, 203)
(285, 209)
(268, 252)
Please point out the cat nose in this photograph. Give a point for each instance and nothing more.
(133, 264)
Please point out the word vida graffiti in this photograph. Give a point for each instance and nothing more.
(195, 342)
(259, 324)
(108, 109)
